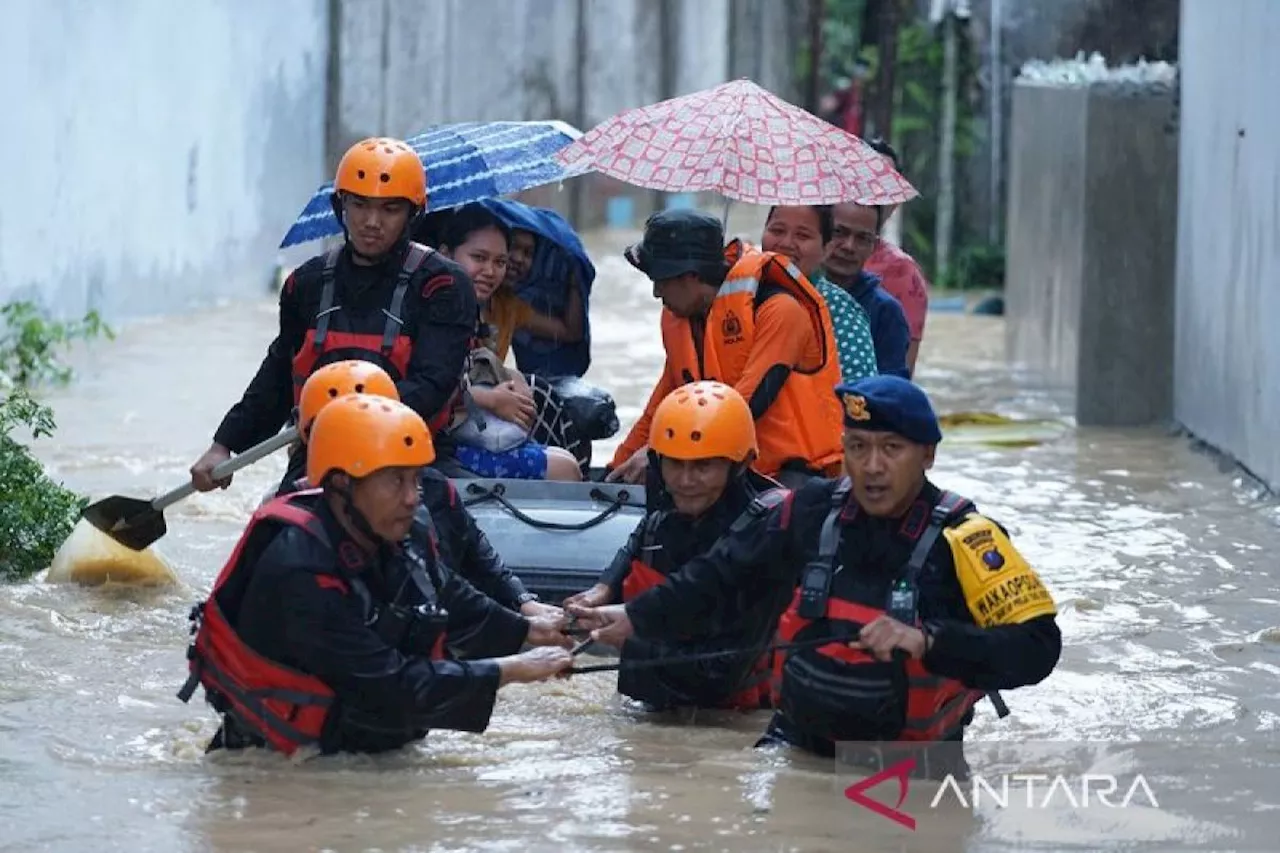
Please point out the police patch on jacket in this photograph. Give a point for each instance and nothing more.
(999, 587)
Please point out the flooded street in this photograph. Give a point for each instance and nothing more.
(1158, 561)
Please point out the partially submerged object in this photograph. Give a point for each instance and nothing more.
(556, 536)
(111, 543)
(90, 557)
(998, 430)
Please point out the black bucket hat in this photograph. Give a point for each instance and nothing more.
(677, 242)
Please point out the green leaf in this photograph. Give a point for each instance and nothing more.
(905, 124)
(36, 513)
(916, 94)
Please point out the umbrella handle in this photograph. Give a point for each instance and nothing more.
(244, 460)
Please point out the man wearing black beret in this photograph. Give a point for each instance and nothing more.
(929, 605)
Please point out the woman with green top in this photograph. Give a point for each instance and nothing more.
(802, 233)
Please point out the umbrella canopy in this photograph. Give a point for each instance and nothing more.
(560, 260)
(464, 162)
(743, 142)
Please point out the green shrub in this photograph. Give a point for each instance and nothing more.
(36, 513)
(30, 341)
(976, 268)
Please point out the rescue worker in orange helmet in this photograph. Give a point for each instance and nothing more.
(378, 297)
(338, 379)
(703, 439)
(914, 604)
(463, 545)
(333, 623)
(749, 319)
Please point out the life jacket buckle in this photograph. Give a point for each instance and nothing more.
(195, 616)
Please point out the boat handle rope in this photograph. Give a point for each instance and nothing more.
(480, 494)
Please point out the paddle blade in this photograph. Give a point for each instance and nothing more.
(132, 522)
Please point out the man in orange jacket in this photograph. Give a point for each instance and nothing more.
(751, 320)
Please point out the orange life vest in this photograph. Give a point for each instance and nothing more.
(756, 691)
(331, 337)
(285, 707)
(858, 686)
(803, 423)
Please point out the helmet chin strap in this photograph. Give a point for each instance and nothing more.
(737, 473)
(355, 516)
(396, 248)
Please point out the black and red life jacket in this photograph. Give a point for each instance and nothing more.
(642, 576)
(332, 336)
(755, 691)
(288, 708)
(840, 693)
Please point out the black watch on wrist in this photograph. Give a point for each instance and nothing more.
(526, 598)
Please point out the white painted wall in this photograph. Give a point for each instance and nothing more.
(158, 150)
(155, 151)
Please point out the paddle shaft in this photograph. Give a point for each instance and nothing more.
(250, 456)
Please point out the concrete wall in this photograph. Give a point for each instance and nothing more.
(1125, 360)
(1091, 231)
(403, 65)
(1045, 244)
(156, 151)
(1123, 31)
(160, 149)
(1228, 263)
(764, 37)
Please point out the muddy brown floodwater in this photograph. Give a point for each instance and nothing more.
(1162, 565)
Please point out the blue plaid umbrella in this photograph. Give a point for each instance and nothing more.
(464, 162)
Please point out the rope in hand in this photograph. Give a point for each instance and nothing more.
(899, 655)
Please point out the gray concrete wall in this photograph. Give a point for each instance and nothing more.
(1125, 357)
(1121, 30)
(155, 151)
(1228, 262)
(1092, 225)
(403, 65)
(163, 148)
(764, 37)
(1045, 242)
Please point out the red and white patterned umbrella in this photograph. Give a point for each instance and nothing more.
(743, 142)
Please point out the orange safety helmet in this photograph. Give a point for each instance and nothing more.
(703, 420)
(382, 168)
(353, 376)
(360, 434)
